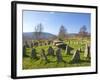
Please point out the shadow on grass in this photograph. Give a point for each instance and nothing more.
(26, 56)
(78, 62)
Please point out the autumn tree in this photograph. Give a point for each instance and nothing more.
(62, 32)
(38, 31)
(83, 31)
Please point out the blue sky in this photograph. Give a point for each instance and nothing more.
(52, 21)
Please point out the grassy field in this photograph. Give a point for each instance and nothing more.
(29, 63)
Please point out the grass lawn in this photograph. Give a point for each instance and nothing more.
(29, 63)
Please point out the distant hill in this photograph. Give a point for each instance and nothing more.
(44, 35)
(31, 35)
(76, 34)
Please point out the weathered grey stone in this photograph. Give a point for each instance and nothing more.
(36, 43)
(59, 56)
(76, 57)
(32, 44)
(27, 44)
(50, 51)
(48, 42)
(43, 56)
(45, 43)
(68, 49)
(24, 50)
(33, 53)
(87, 51)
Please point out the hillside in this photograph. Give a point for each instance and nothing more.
(31, 35)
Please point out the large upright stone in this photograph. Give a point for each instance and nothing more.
(45, 43)
(32, 44)
(35, 43)
(49, 42)
(80, 49)
(68, 49)
(76, 57)
(59, 56)
(50, 51)
(24, 50)
(27, 44)
(33, 53)
(87, 51)
(43, 56)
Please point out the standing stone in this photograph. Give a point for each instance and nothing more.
(68, 50)
(43, 56)
(76, 57)
(59, 56)
(87, 51)
(48, 42)
(33, 53)
(50, 51)
(36, 43)
(27, 45)
(32, 44)
(24, 50)
(45, 43)
(80, 49)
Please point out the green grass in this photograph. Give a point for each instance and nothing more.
(29, 63)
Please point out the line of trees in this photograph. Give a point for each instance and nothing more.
(62, 32)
